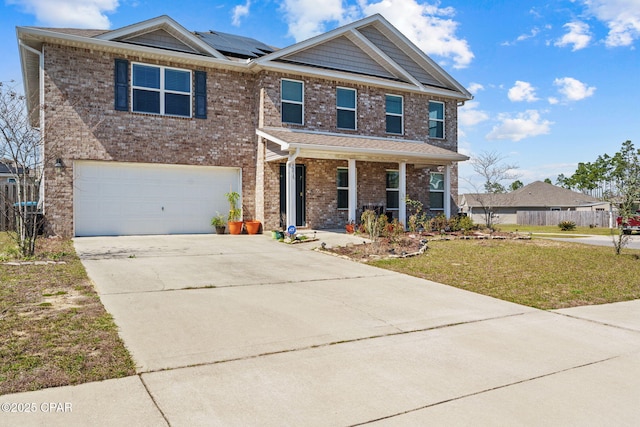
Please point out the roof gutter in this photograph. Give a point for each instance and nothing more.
(40, 35)
(285, 145)
(35, 118)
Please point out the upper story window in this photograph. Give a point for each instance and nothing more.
(393, 190)
(161, 90)
(292, 101)
(346, 106)
(436, 191)
(343, 188)
(436, 119)
(394, 114)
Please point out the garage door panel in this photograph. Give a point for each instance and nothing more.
(128, 198)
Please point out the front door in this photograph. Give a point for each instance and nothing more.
(300, 192)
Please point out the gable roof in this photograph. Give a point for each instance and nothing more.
(373, 47)
(183, 40)
(369, 51)
(537, 194)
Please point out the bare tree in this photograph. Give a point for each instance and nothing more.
(623, 171)
(21, 150)
(492, 171)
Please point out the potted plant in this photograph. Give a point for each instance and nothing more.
(350, 227)
(251, 225)
(235, 213)
(219, 223)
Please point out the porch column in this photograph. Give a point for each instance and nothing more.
(402, 193)
(291, 188)
(353, 190)
(447, 191)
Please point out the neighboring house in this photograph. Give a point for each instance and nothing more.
(9, 171)
(153, 124)
(537, 196)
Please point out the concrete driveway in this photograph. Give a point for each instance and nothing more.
(243, 330)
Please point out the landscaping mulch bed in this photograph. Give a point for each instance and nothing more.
(410, 244)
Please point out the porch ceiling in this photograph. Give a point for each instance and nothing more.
(318, 145)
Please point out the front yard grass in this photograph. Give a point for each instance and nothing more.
(538, 273)
(554, 229)
(54, 330)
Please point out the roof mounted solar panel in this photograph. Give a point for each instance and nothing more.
(237, 46)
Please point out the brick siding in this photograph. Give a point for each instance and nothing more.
(82, 124)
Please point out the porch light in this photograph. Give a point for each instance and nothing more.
(59, 166)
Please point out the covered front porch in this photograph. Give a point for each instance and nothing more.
(348, 173)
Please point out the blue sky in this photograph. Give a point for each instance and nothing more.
(555, 82)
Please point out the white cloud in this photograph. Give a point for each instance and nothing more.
(70, 13)
(534, 32)
(470, 115)
(553, 100)
(522, 91)
(239, 12)
(475, 87)
(523, 125)
(578, 36)
(522, 37)
(621, 16)
(429, 26)
(572, 89)
(307, 18)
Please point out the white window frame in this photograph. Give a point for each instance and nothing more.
(162, 90)
(391, 189)
(338, 188)
(437, 191)
(401, 115)
(444, 116)
(354, 109)
(283, 101)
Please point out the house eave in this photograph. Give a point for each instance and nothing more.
(35, 37)
(353, 78)
(325, 151)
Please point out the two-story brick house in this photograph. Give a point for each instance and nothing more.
(149, 125)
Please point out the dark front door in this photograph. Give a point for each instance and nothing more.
(300, 192)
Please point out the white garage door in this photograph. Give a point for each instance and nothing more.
(116, 199)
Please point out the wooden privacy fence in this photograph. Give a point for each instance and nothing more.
(8, 197)
(581, 218)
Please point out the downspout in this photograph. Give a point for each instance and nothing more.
(291, 187)
(40, 107)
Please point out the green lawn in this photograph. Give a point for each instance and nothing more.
(54, 330)
(539, 273)
(554, 229)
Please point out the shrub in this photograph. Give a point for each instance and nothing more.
(439, 223)
(567, 225)
(370, 222)
(417, 217)
(392, 230)
(461, 222)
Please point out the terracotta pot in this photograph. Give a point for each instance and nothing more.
(253, 227)
(235, 227)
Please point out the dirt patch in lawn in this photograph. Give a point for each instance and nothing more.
(54, 330)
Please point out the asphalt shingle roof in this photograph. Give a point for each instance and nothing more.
(537, 194)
